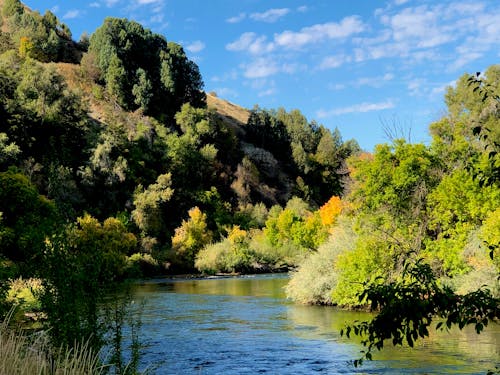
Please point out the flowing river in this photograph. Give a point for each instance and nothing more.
(245, 325)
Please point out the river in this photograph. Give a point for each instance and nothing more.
(245, 325)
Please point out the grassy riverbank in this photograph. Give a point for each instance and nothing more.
(23, 354)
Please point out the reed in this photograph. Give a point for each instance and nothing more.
(23, 354)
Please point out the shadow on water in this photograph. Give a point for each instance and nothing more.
(245, 325)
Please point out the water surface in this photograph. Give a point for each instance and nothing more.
(246, 326)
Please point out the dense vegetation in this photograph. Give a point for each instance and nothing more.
(112, 166)
(420, 232)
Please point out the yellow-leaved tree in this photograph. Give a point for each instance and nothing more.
(190, 238)
(330, 211)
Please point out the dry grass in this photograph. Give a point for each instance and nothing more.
(29, 355)
(233, 115)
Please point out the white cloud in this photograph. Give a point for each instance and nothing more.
(157, 18)
(302, 9)
(320, 32)
(336, 86)
(55, 9)
(226, 92)
(111, 3)
(260, 68)
(228, 76)
(236, 19)
(251, 43)
(196, 46)
(374, 81)
(270, 91)
(95, 5)
(331, 62)
(146, 2)
(271, 15)
(439, 90)
(75, 13)
(357, 108)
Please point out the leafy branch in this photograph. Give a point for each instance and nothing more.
(407, 309)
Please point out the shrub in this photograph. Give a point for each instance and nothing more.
(317, 276)
(23, 294)
(142, 265)
(232, 254)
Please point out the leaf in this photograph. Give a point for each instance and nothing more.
(476, 130)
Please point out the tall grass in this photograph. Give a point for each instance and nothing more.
(22, 354)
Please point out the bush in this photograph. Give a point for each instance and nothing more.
(23, 294)
(367, 259)
(142, 265)
(276, 257)
(317, 276)
(232, 254)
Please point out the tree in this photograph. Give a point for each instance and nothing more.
(79, 266)
(12, 7)
(148, 204)
(116, 78)
(190, 237)
(124, 48)
(142, 90)
(406, 308)
(27, 218)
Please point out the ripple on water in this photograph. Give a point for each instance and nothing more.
(191, 329)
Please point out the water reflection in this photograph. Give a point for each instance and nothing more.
(246, 326)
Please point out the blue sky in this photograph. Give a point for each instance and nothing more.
(357, 65)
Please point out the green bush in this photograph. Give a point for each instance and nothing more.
(232, 254)
(23, 294)
(368, 259)
(142, 265)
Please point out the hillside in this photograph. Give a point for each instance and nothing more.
(119, 126)
(232, 114)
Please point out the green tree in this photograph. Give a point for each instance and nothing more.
(116, 78)
(407, 307)
(148, 203)
(122, 47)
(80, 266)
(142, 90)
(27, 218)
(12, 7)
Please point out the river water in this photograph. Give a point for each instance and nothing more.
(245, 325)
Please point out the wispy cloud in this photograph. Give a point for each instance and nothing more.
(95, 4)
(146, 2)
(111, 3)
(302, 9)
(260, 68)
(326, 31)
(268, 92)
(75, 13)
(376, 82)
(225, 92)
(252, 43)
(196, 46)
(271, 15)
(357, 108)
(335, 61)
(415, 33)
(236, 19)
